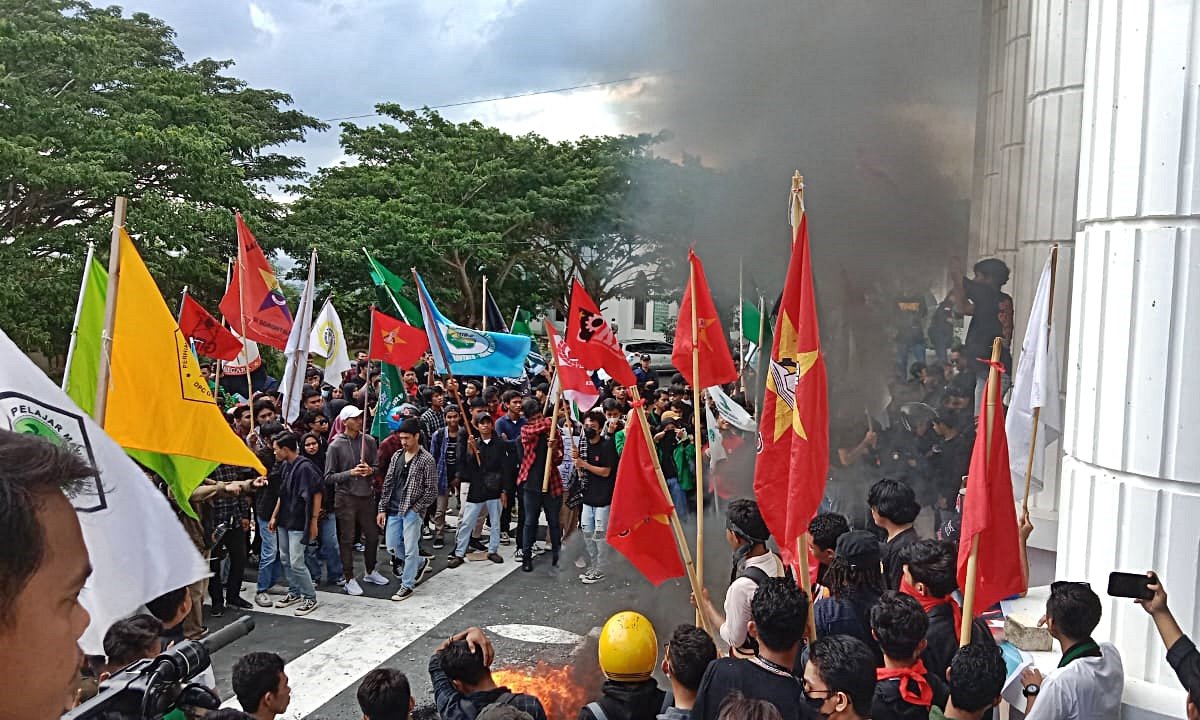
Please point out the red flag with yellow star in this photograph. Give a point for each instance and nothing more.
(793, 430)
(394, 342)
(254, 304)
(716, 363)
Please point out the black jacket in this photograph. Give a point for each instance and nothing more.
(888, 705)
(942, 637)
(1185, 659)
(498, 456)
(627, 701)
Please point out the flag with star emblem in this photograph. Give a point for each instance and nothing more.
(254, 304)
(395, 342)
(793, 430)
(715, 362)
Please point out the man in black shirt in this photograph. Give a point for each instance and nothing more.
(489, 466)
(894, 508)
(780, 614)
(980, 298)
(596, 463)
(295, 517)
(905, 690)
(839, 678)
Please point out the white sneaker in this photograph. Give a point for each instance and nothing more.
(288, 600)
(581, 563)
(375, 578)
(263, 600)
(353, 588)
(305, 607)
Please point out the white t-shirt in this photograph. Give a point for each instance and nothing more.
(1087, 688)
(737, 598)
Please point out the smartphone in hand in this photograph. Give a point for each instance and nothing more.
(1130, 585)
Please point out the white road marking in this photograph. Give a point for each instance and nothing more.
(536, 634)
(377, 629)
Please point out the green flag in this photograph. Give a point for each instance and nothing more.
(521, 324)
(182, 474)
(388, 286)
(751, 319)
(391, 393)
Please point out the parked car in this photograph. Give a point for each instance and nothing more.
(659, 352)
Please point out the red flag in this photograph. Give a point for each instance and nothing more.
(395, 342)
(639, 519)
(210, 336)
(254, 304)
(716, 364)
(592, 340)
(990, 513)
(793, 430)
(573, 377)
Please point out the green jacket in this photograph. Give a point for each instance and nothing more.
(685, 463)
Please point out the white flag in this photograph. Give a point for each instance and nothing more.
(733, 413)
(248, 360)
(137, 547)
(296, 351)
(1034, 386)
(716, 450)
(327, 340)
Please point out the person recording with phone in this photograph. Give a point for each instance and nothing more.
(1181, 651)
(677, 456)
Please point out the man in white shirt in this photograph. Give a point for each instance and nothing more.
(1089, 678)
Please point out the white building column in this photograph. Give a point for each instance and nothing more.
(1053, 120)
(1129, 493)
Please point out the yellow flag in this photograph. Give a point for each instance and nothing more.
(157, 399)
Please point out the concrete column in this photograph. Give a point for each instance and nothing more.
(1129, 497)
(1053, 119)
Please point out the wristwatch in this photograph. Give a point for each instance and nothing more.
(1031, 690)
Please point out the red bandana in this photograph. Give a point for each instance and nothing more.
(910, 677)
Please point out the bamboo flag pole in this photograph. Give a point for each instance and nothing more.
(366, 390)
(758, 353)
(87, 272)
(110, 312)
(989, 421)
(681, 542)
(695, 320)
(245, 343)
(1037, 411)
(550, 443)
(483, 318)
(217, 376)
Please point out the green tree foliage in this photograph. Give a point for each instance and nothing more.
(94, 104)
(459, 200)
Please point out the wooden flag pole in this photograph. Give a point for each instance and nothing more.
(695, 320)
(110, 312)
(681, 542)
(806, 586)
(483, 319)
(217, 376)
(758, 378)
(1037, 411)
(362, 451)
(550, 442)
(245, 343)
(989, 421)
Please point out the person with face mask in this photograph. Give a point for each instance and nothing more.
(596, 460)
(747, 535)
(839, 678)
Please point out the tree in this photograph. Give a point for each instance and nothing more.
(94, 105)
(459, 200)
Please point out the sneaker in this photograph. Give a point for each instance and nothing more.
(537, 549)
(375, 578)
(519, 555)
(237, 602)
(495, 557)
(454, 561)
(527, 564)
(592, 576)
(288, 600)
(439, 542)
(476, 544)
(402, 594)
(581, 564)
(423, 572)
(426, 534)
(305, 607)
(262, 600)
(505, 539)
(477, 555)
(359, 547)
(340, 582)
(397, 566)
(217, 611)
(353, 588)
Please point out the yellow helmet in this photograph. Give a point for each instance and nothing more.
(628, 647)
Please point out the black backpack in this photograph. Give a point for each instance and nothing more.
(468, 708)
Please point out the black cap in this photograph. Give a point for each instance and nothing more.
(858, 547)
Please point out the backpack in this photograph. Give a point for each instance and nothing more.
(469, 710)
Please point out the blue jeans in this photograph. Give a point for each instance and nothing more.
(535, 502)
(326, 551)
(906, 355)
(471, 513)
(270, 569)
(402, 534)
(594, 523)
(291, 551)
(678, 497)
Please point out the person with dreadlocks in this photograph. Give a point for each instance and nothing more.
(747, 534)
(855, 582)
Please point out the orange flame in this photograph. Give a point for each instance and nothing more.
(558, 688)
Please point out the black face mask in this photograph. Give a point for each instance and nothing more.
(816, 704)
(590, 433)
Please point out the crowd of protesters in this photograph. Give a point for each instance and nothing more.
(883, 596)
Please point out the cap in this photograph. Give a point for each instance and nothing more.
(350, 411)
(858, 547)
(645, 357)
(669, 416)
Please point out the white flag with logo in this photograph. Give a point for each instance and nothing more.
(296, 351)
(1034, 386)
(716, 448)
(136, 545)
(733, 413)
(328, 341)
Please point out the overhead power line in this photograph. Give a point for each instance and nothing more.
(532, 93)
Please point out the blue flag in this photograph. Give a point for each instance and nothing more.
(470, 352)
